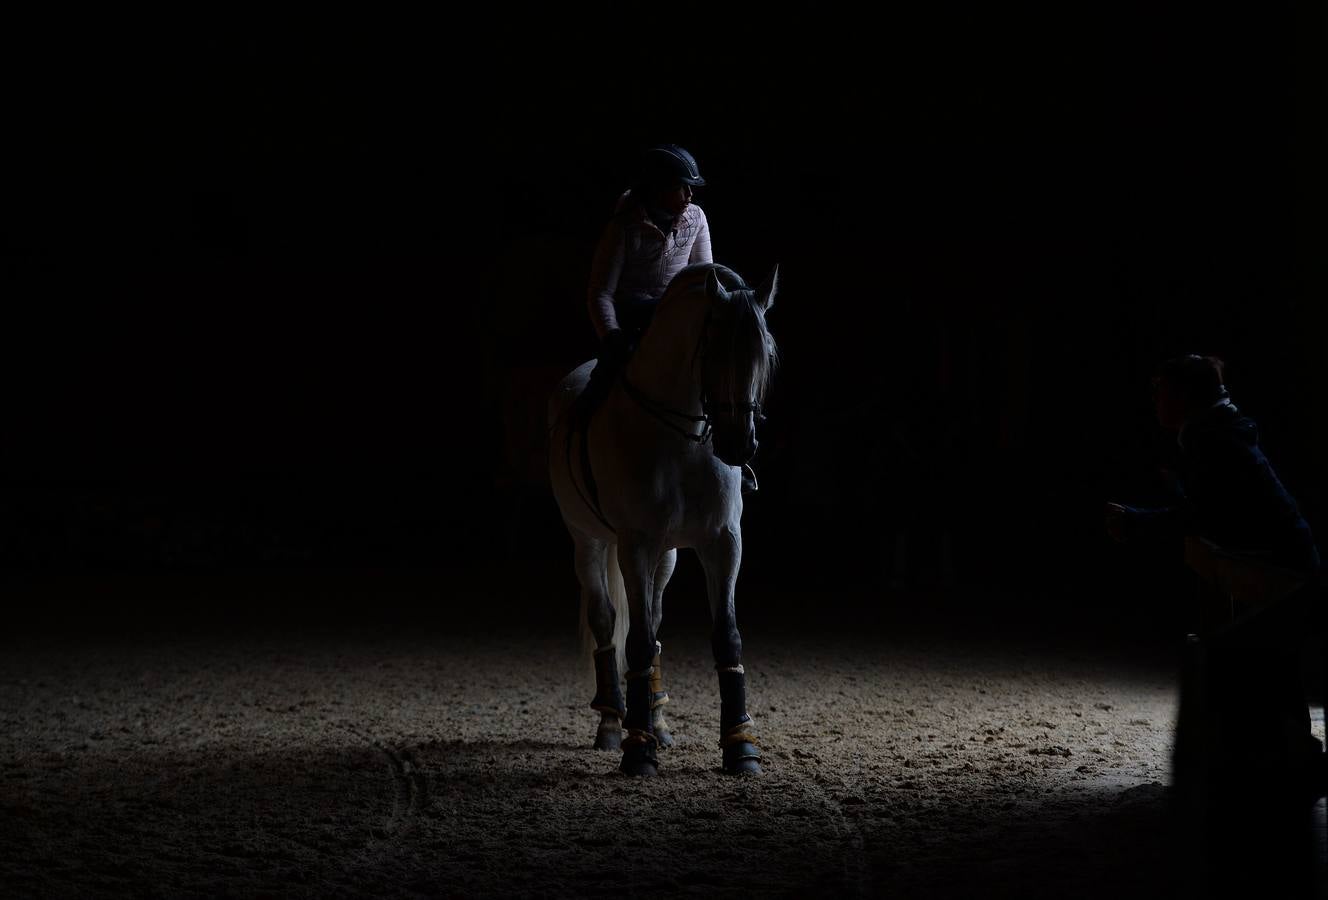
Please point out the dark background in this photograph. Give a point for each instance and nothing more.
(290, 301)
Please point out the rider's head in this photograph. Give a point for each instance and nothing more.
(666, 177)
(1185, 386)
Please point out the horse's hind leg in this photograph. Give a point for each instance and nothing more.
(659, 696)
(592, 571)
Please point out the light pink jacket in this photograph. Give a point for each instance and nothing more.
(636, 261)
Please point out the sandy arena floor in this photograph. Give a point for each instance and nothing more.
(399, 764)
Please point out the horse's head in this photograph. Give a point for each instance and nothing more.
(737, 361)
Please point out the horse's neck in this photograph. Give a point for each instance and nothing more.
(663, 366)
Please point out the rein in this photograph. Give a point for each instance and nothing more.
(662, 412)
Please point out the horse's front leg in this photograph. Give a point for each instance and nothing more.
(721, 557)
(592, 559)
(659, 696)
(639, 561)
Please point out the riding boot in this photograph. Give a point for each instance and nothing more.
(596, 389)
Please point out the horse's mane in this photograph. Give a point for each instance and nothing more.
(745, 346)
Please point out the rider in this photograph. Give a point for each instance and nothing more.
(655, 232)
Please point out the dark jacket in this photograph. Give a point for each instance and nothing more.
(1232, 496)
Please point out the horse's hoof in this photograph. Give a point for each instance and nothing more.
(639, 761)
(640, 768)
(743, 767)
(609, 739)
(664, 736)
(742, 759)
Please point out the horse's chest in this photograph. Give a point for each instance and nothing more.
(699, 501)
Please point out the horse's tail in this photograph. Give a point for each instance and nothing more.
(618, 602)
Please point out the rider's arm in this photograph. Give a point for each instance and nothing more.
(604, 275)
(701, 251)
(1127, 523)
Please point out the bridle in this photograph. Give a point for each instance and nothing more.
(667, 416)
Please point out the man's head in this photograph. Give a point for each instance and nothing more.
(666, 178)
(1185, 386)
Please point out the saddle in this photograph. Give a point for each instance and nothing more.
(581, 413)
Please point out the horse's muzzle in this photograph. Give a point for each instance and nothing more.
(736, 452)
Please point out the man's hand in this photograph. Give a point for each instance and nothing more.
(1119, 520)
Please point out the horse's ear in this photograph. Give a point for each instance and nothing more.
(714, 288)
(766, 292)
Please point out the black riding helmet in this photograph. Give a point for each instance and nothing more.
(668, 162)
